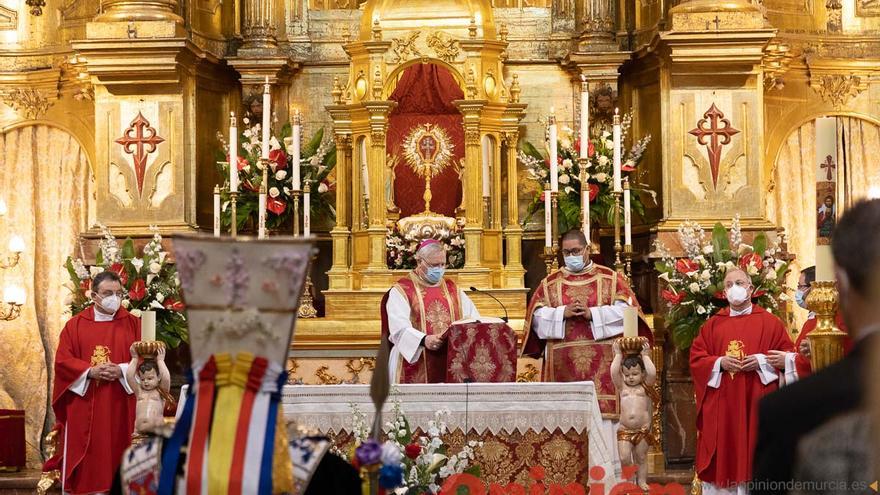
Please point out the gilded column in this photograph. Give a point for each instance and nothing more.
(131, 11)
(378, 175)
(259, 25)
(513, 233)
(473, 166)
(339, 275)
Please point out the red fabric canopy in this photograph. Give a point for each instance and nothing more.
(424, 95)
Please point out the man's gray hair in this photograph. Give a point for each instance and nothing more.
(428, 250)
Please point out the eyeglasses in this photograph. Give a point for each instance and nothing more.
(803, 286)
(573, 252)
(741, 283)
(441, 264)
(121, 294)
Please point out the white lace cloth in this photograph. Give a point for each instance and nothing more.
(483, 407)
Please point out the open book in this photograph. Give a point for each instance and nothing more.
(482, 319)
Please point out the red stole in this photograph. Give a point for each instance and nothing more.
(432, 310)
(803, 364)
(99, 424)
(727, 416)
(579, 356)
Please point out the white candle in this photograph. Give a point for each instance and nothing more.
(307, 215)
(10, 294)
(3, 208)
(585, 118)
(233, 153)
(216, 211)
(20, 296)
(585, 206)
(627, 216)
(486, 157)
(554, 168)
(548, 219)
(261, 215)
(365, 172)
(148, 325)
(630, 322)
(295, 155)
(267, 114)
(824, 264)
(616, 132)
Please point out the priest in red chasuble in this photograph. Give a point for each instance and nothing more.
(572, 318)
(91, 397)
(731, 372)
(415, 314)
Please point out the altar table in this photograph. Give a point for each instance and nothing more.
(554, 425)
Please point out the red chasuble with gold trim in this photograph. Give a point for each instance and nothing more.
(579, 356)
(99, 424)
(432, 310)
(727, 416)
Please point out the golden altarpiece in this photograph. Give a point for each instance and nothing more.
(140, 88)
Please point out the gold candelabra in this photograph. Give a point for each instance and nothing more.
(549, 257)
(628, 255)
(554, 218)
(826, 340)
(13, 294)
(307, 303)
(296, 193)
(233, 205)
(618, 264)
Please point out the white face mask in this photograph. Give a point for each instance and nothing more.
(111, 303)
(737, 295)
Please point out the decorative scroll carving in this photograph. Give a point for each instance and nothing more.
(529, 375)
(471, 137)
(405, 47)
(837, 89)
(325, 377)
(445, 47)
(28, 102)
(776, 61)
(835, 16)
(358, 366)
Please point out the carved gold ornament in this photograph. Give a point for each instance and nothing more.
(405, 47)
(428, 150)
(444, 46)
(28, 102)
(837, 89)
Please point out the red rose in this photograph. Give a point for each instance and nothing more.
(594, 191)
(685, 266)
(138, 290)
(279, 158)
(275, 205)
(758, 294)
(242, 163)
(173, 304)
(412, 450)
(119, 269)
(719, 295)
(576, 145)
(591, 150)
(672, 298)
(627, 168)
(85, 285)
(747, 259)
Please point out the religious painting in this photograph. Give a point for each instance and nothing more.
(826, 211)
(826, 178)
(868, 8)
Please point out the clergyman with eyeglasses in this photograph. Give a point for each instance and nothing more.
(91, 399)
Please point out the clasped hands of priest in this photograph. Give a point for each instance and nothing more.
(107, 372)
(577, 309)
(435, 342)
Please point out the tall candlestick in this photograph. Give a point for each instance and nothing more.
(267, 114)
(554, 168)
(627, 215)
(233, 153)
(548, 219)
(824, 264)
(630, 322)
(148, 325)
(216, 211)
(307, 214)
(486, 157)
(295, 150)
(585, 118)
(617, 144)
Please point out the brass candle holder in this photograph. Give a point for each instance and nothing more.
(554, 219)
(307, 303)
(487, 208)
(826, 340)
(549, 257)
(148, 349)
(618, 264)
(632, 345)
(628, 256)
(233, 203)
(296, 193)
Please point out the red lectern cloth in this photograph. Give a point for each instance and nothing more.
(12, 448)
(480, 352)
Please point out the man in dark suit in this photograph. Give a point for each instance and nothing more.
(793, 412)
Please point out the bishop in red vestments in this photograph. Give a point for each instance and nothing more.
(731, 373)
(90, 396)
(416, 313)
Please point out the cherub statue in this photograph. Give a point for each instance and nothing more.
(151, 383)
(633, 376)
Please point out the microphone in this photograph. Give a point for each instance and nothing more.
(474, 289)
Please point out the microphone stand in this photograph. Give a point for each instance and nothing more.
(474, 289)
